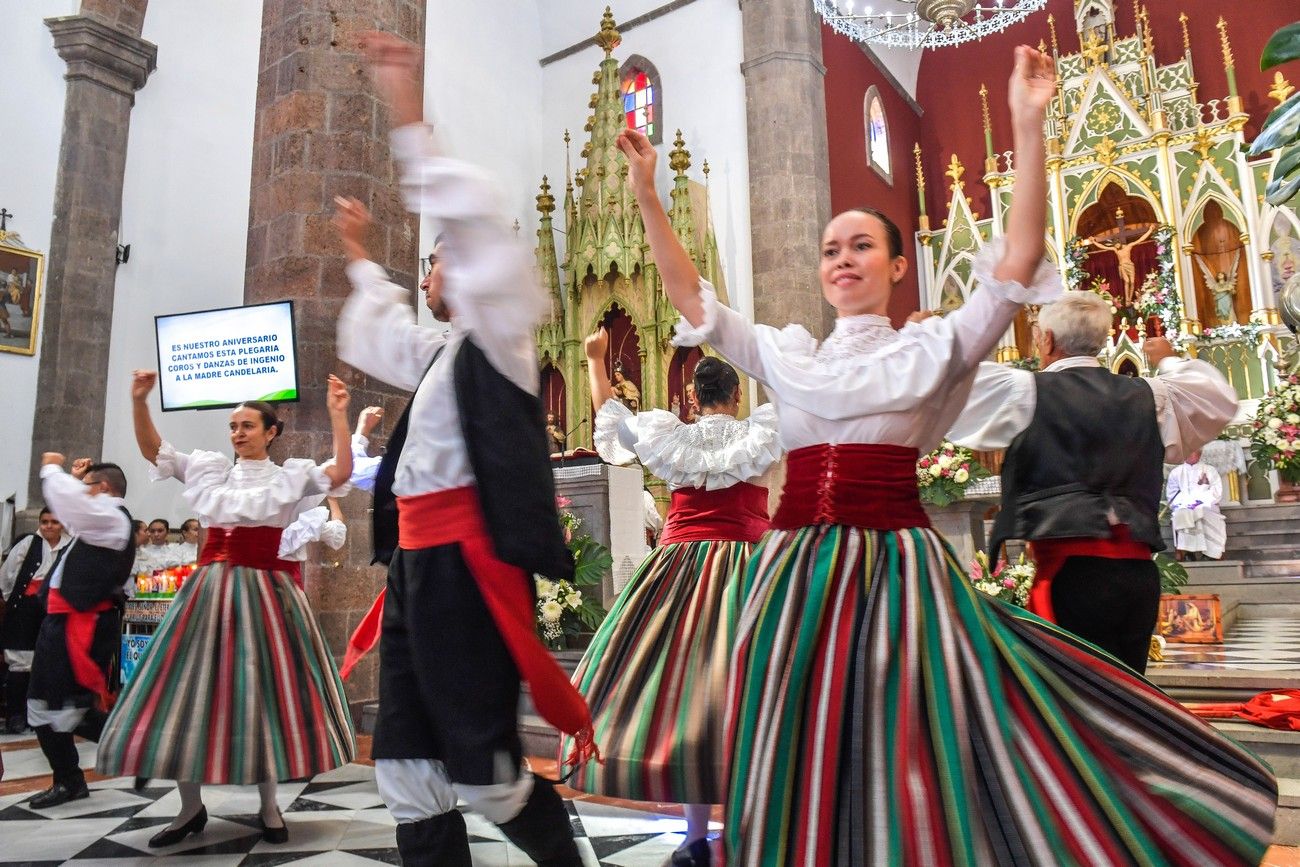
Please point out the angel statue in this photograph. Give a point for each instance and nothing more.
(1223, 286)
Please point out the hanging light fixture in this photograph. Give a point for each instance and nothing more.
(923, 23)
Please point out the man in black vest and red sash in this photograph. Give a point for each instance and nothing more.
(82, 630)
(22, 577)
(1082, 477)
(469, 472)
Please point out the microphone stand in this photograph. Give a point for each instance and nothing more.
(566, 441)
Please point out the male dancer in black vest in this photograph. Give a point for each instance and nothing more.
(469, 469)
(1082, 477)
(69, 690)
(22, 577)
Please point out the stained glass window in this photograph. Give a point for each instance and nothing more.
(877, 134)
(642, 107)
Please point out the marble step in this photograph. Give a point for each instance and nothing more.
(1273, 569)
(1220, 684)
(1280, 748)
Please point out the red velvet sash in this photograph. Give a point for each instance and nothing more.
(79, 634)
(253, 547)
(1050, 555)
(454, 517)
(872, 487)
(734, 514)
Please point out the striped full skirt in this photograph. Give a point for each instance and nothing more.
(655, 678)
(237, 686)
(883, 711)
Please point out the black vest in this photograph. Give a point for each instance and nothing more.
(504, 428)
(31, 562)
(1092, 448)
(92, 574)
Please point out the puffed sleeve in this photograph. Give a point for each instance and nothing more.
(305, 529)
(334, 534)
(731, 334)
(196, 466)
(616, 433)
(748, 450)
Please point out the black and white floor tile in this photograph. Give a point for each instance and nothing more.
(337, 819)
(1263, 644)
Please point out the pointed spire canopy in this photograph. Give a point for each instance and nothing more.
(608, 38)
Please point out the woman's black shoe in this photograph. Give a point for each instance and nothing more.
(172, 836)
(274, 835)
(693, 854)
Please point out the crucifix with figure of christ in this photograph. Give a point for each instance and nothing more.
(1120, 244)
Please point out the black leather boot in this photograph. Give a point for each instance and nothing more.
(542, 829)
(441, 841)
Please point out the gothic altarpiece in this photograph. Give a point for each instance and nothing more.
(606, 275)
(1153, 202)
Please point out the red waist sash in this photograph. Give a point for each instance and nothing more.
(78, 635)
(253, 547)
(1050, 555)
(872, 487)
(454, 517)
(734, 514)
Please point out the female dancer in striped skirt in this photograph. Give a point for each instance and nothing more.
(882, 711)
(655, 674)
(238, 685)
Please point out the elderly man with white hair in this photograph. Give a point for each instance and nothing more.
(1082, 478)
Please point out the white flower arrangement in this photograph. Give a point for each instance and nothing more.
(1008, 582)
(1275, 433)
(553, 598)
(1233, 331)
(944, 473)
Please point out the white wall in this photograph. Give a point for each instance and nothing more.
(698, 50)
(31, 101)
(184, 213)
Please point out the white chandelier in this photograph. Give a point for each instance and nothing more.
(923, 23)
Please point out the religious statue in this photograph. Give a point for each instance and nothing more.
(1224, 288)
(692, 405)
(625, 390)
(555, 438)
(950, 298)
(1124, 253)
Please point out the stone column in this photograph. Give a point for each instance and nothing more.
(107, 63)
(320, 132)
(789, 168)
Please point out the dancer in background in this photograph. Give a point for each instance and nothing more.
(469, 469)
(655, 675)
(22, 577)
(882, 710)
(239, 648)
(317, 524)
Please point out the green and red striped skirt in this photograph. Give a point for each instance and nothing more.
(655, 678)
(237, 686)
(882, 711)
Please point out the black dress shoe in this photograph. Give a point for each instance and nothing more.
(172, 836)
(693, 854)
(58, 794)
(140, 784)
(274, 835)
(16, 725)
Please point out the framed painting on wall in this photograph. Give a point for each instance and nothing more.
(1191, 618)
(22, 275)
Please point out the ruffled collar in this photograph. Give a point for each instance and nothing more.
(856, 335)
(247, 470)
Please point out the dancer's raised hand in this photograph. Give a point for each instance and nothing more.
(596, 345)
(142, 382)
(369, 419)
(1157, 349)
(352, 221)
(394, 64)
(1033, 84)
(641, 158)
(80, 467)
(338, 398)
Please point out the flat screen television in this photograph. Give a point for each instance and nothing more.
(211, 359)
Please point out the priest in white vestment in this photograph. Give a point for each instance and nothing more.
(1194, 491)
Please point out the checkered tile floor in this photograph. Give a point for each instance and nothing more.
(337, 820)
(1266, 644)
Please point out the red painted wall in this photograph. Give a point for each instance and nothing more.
(849, 73)
(949, 81)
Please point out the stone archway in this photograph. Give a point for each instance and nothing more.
(624, 356)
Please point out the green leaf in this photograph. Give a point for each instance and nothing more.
(1289, 161)
(1280, 128)
(1173, 576)
(1284, 45)
(1281, 190)
(592, 559)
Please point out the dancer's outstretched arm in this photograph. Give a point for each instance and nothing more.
(595, 346)
(340, 469)
(1033, 84)
(146, 435)
(681, 279)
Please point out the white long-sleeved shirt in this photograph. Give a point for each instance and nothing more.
(96, 519)
(313, 525)
(13, 564)
(490, 285)
(1193, 404)
(364, 467)
(866, 382)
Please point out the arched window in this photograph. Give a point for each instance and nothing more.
(873, 115)
(642, 97)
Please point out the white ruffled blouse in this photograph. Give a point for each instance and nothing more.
(225, 493)
(313, 525)
(866, 382)
(715, 452)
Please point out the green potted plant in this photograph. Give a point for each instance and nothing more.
(1281, 130)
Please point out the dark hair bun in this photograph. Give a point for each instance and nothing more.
(270, 420)
(715, 382)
